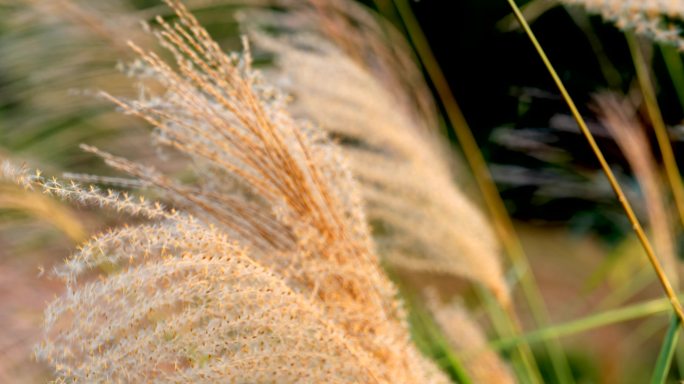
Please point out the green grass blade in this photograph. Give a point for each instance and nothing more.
(679, 358)
(649, 308)
(500, 217)
(522, 365)
(429, 339)
(667, 351)
(617, 189)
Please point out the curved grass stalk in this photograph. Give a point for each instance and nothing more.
(664, 281)
(674, 178)
(502, 221)
(44, 208)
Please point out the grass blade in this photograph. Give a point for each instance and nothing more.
(649, 308)
(667, 351)
(502, 221)
(650, 253)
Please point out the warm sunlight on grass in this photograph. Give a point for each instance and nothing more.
(314, 191)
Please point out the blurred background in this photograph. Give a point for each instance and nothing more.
(54, 56)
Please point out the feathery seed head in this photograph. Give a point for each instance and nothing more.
(182, 303)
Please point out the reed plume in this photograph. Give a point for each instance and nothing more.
(419, 188)
(191, 306)
(467, 339)
(299, 265)
(619, 116)
(423, 221)
(365, 38)
(655, 19)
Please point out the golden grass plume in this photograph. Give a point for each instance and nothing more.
(176, 303)
(423, 220)
(390, 137)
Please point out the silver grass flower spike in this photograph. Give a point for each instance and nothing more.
(272, 279)
(426, 223)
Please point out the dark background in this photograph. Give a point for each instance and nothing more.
(500, 82)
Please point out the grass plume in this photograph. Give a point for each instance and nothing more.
(274, 185)
(469, 342)
(424, 222)
(619, 116)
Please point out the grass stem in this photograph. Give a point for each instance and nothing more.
(667, 287)
(667, 352)
(500, 217)
(635, 311)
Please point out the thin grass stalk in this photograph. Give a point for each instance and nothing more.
(436, 337)
(636, 311)
(427, 335)
(483, 178)
(503, 327)
(467, 339)
(667, 286)
(610, 73)
(667, 351)
(674, 176)
(675, 68)
(480, 172)
(679, 357)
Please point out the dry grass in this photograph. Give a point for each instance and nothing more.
(468, 340)
(273, 185)
(619, 116)
(423, 221)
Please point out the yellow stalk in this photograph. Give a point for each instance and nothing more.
(501, 219)
(667, 286)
